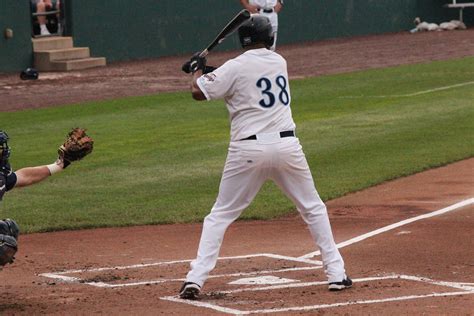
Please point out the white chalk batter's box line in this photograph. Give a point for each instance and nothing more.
(65, 275)
(466, 288)
(307, 258)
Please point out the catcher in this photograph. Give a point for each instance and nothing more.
(77, 146)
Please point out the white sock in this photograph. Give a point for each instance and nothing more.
(44, 29)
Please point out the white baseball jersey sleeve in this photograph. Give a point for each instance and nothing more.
(255, 88)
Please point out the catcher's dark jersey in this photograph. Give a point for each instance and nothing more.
(7, 182)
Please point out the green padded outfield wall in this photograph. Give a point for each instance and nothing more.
(309, 20)
(16, 52)
(121, 30)
(126, 30)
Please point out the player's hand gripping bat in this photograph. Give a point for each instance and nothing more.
(198, 60)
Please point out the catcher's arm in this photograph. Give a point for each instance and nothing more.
(31, 175)
(76, 146)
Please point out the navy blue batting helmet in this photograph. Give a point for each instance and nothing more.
(256, 30)
(29, 74)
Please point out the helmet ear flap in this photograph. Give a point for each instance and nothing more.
(270, 41)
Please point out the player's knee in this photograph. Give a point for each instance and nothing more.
(40, 7)
(8, 249)
(9, 232)
(9, 227)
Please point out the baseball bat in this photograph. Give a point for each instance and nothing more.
(233, 24)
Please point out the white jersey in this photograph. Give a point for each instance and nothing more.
(255, 88)
(267, 5)
(264, 4)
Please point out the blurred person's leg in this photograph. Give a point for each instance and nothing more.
(55, 5)
(41, 8)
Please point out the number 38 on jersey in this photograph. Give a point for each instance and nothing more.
(273, 91)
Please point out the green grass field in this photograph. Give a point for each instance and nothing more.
(158, 159)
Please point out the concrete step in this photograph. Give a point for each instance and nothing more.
(77, 64)
(43, 59)
(52, 43)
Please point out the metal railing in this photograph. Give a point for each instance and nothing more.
(60, 19)
(46, 13)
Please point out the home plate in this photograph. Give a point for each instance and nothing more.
(267, 279)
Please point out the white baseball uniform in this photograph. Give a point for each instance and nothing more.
(255, 87)
(267, 9)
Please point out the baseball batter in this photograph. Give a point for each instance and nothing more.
(76, 147)
(263, 146)
(268, 8)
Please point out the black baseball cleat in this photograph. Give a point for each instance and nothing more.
(189, 291)
(339, 286)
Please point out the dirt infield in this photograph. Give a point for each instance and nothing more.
(422, 264)
(164, 74)
(136, 270)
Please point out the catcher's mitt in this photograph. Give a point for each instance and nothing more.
(77, 145)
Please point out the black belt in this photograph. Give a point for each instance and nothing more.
(282, 134)
(267, 10)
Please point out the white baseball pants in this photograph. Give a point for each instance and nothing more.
(274, 21)
(249, 164)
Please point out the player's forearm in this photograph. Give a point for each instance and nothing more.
(249, 7)
(31, 175)
(278, 6)
(244, 3)
(195, 90)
